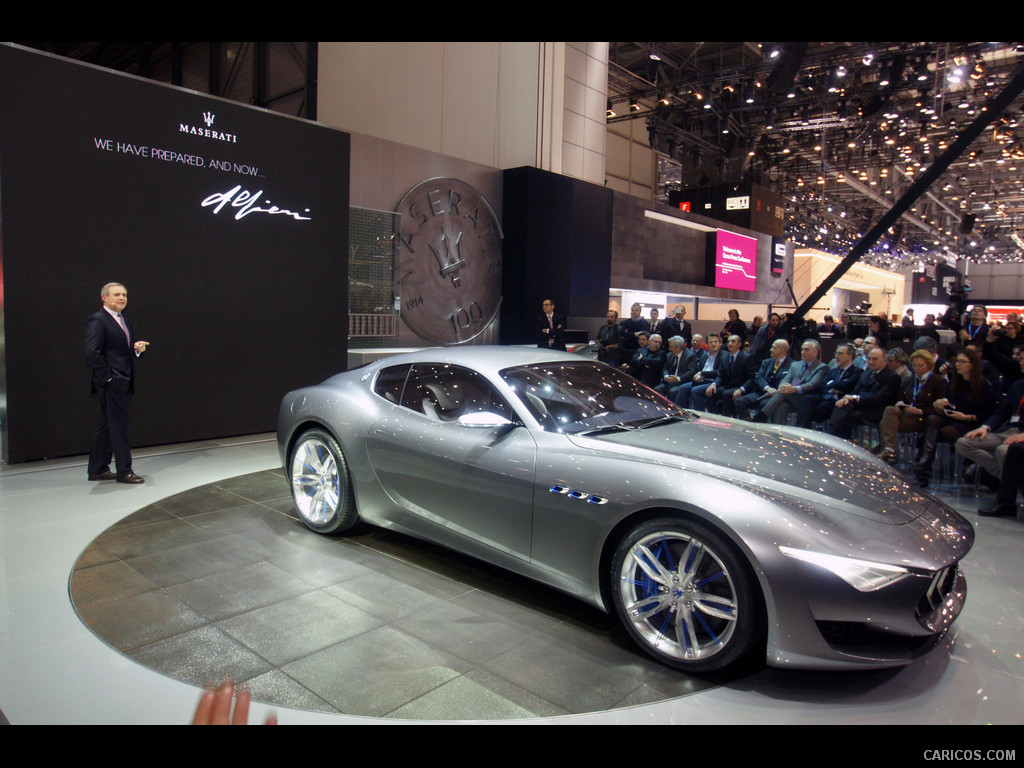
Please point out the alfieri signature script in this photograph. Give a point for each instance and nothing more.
(245, 202)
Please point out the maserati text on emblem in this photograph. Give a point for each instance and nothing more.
(449, 270)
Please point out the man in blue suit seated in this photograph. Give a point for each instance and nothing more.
(839, 381)
(770, 373)
(705, 375)
(877, 388)
(736, 378)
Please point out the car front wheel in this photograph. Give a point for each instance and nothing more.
(687, 595)
(320, 483)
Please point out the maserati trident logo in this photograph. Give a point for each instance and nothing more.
(207, 132)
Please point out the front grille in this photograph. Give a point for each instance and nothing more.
(939, 589)
(861, 638)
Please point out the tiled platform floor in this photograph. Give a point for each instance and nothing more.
(225, 580)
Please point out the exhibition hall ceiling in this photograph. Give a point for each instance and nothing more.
(842, 130)
(275, 75)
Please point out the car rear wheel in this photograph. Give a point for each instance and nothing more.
(687, 595)
(320, 483)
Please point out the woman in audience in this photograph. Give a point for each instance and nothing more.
(917, 397)
(969, 401)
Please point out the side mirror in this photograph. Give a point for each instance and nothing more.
(484, 420)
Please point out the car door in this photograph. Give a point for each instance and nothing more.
(455, 482)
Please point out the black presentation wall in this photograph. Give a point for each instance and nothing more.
(558, 234)
(227, 224)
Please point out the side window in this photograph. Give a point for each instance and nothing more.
(390, 381)
(446, 392)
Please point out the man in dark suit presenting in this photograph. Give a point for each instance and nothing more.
(110, 350)
(550, 328)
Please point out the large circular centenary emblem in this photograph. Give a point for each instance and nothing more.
(449, 263)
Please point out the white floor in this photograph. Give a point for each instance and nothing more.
(54, 670)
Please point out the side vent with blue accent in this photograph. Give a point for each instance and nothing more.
(574, 494)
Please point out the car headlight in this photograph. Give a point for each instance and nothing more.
(862, 575)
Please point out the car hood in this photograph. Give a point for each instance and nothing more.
(798, 463)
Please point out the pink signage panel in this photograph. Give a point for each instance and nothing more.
(735, 261)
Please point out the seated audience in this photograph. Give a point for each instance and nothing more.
(916, 403)
(736, 374)
(632, 364)
(767, 379)
(969, 403)
(676, 362)
(1011, 481)
(986, 445)
(705, 375)
(650, 364)
(859, 354)
(897, 361)
(840, 380)
(988, 370)
(803, 378)
(877, 387)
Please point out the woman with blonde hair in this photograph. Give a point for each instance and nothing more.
(918, 394)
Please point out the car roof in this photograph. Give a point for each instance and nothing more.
(486, 359)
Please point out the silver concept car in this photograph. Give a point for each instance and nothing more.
(708, 537)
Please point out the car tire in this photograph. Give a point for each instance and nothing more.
(686, 595)
(320, 483)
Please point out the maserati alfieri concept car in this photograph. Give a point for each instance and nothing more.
(709, 538)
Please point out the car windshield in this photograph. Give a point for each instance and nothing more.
(573, 397)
